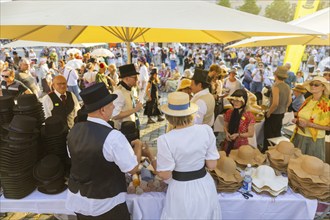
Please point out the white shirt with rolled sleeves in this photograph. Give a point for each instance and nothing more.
(202, 108)
(71, 76)
(115, 149)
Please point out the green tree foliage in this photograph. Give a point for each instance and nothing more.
(250, 6)
(279, 10)
(225, 3)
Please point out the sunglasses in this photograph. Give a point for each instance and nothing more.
(315, 84)
(5, 76)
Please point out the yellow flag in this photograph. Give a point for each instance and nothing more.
(294, 53)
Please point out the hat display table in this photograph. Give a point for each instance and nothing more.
(149, 205)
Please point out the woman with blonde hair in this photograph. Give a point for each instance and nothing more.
(313, 119)
(90, 75)
(191, 192)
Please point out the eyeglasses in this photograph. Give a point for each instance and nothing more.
(315, 84)
(5, 76)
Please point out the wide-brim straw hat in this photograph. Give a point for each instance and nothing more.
(322, 80)
(283, 151)
(265, 176)
(226, 169)
(179, 105)
(248, 155)
(310, 167)
(185, 83)
(268, 190)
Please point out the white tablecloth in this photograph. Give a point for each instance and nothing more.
(149, 205)
(258, 137)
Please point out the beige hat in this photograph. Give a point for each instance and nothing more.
(283, 151)
(226, 169)
(265, 176)
(322, 80)
(247, 155)
(178, 105)
(281, 71)
(310, 167)
(300, 88)
(185, 83)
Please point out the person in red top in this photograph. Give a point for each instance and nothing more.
(239, 123)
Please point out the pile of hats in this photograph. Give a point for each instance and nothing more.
(29, 105)
(280, 154)
(6, 111)
(18, 155)
(310, 177)
(247, 155)
(264, 179)
(227, 178)
(49, 173)
(53, 137)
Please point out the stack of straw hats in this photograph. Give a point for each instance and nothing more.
(265, 180)
(49, 173)
(280, 154)
(227, 178)
(18, 156)
(29, 105)
(310, 177)
(53, 136)
(247, 155)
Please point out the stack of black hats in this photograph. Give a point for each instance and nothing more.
(49, 173)
(18, 155)
(6, 111)
(29, 105)
(53, 137)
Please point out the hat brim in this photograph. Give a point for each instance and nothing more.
(99, 104)
(236, 177)
(326, 85)
(299, 90)
(191, 110)
(6, 127)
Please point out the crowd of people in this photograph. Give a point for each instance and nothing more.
(100, 97)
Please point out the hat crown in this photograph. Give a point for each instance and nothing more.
(312, 165)
(127, 70)
(246, 152)
(23, 123)
(94, 93)
(227, 165)
(265, 172)
(281, 71)
(48, 167)
(6, 102)
(53, 125)
(178, 98)
(285, 147)
(201, 76)
(185, 83)
(27, 100)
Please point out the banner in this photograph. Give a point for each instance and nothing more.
(294, 53)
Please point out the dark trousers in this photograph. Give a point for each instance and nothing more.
(119, 212)
(272, 128)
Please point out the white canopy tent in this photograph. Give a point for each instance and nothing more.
(25, 43)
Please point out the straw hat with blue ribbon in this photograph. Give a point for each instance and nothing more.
(178, 105)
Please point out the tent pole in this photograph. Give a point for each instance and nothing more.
(128, 47)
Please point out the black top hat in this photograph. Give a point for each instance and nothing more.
(27, 102)
(96, 96)
(127, 70)
(128, 128)
(6, 103)
(54, 126)
(22, 124)
(48, 169)
(20, 138)
(201, 76)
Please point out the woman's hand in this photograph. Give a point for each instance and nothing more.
(303, 123)
(234, 136)
(228, 136)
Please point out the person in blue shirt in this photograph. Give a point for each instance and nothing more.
(291, 80)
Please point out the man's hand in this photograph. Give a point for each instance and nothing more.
(138, 106)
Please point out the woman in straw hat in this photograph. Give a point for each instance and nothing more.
(239, 123)
(313, 119)
(298, 98)
(280, 99)
(181, 161)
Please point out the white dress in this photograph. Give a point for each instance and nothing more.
(186, 150)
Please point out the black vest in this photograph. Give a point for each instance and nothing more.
(91, 173)
(59, 109)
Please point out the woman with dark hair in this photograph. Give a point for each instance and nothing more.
(152, 94)
(239, 123)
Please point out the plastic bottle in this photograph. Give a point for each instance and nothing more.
(247, 182)
(136, 180)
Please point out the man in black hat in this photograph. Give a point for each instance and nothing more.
(61, 102)
(100, 157)
(202, 97)
(126, 107)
